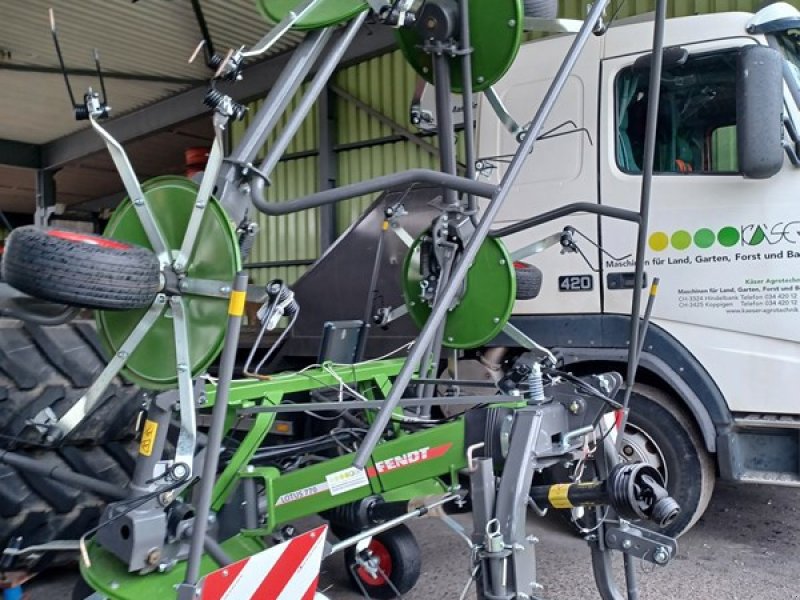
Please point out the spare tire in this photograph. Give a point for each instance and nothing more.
(529, 280)
(79, 269)
(51, 368)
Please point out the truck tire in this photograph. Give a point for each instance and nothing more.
(51, 368)
(40, 510)
(661, 434)
(82, 270)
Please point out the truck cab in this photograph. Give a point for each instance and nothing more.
(721, 359)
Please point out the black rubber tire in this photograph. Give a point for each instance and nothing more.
(690, 468)
(529, 280)
(540, 9)
(41, 510)
(51, 367)
(80, 270)
(405, 564)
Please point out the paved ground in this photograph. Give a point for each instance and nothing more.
(747, 547)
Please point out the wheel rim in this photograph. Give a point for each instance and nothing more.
(92, 240)
(384, 559)
(639, 446)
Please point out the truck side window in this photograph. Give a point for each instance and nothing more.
(696, 118)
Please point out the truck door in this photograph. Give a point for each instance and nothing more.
(727, 249)
(561, 169)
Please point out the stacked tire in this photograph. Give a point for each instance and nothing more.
(46, 371)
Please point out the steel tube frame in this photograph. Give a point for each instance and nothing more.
(216, 431)
(378, 184)
(654, 91)
(444, 301)
(84, 482)
(315, 88)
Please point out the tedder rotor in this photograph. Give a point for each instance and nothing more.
(209, 512)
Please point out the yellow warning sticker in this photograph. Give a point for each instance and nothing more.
(557, 496)
(148, 438)
(236, 305)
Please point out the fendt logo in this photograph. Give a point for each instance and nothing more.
(744, 235)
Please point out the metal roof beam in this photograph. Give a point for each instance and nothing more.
(186, 105)
(20, 154)
(43, 70)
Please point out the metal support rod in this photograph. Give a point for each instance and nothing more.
(631, 580)
(377, 184)
(471, 249)
(45, 197)
(251, 503)
(310, 96)
(64, 475)
(563, 211)
(466, 93)
(444, 119)
(216, 552)
(206, 485)
(328, 165)
(291, 77)
(654, 92)
(277, 100)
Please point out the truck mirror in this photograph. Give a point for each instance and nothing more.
(759, 112)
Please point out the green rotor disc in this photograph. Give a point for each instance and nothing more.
(324, 14)
(216, 256)
(484, 308)
(496, 28)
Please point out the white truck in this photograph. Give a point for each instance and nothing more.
(720, 370)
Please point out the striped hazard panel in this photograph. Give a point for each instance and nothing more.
(288, 571)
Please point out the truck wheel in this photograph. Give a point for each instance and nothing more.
(47, 370)
(398, 558)
(83, 270)
(660, 434)
(40, 510)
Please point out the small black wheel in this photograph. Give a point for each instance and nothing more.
(398, 559)
(529, 280)
(661, 434)
(79, 269)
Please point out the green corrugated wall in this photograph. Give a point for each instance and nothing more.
(385, 83)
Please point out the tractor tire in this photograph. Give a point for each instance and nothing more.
(40, 510)
(77, 269)
(398, 557)
(51, 368)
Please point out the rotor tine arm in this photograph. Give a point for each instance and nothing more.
(135, 193)
(212, 170)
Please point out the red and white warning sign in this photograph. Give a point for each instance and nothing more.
(288, 571)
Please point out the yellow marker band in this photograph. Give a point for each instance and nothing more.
(236, 305)
(653, 289)
(385, 225)
(148, 438)
(557, 496)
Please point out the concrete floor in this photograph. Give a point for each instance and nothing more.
(745, 547)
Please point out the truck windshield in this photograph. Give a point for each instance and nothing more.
(789, 43)
(696, 119)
